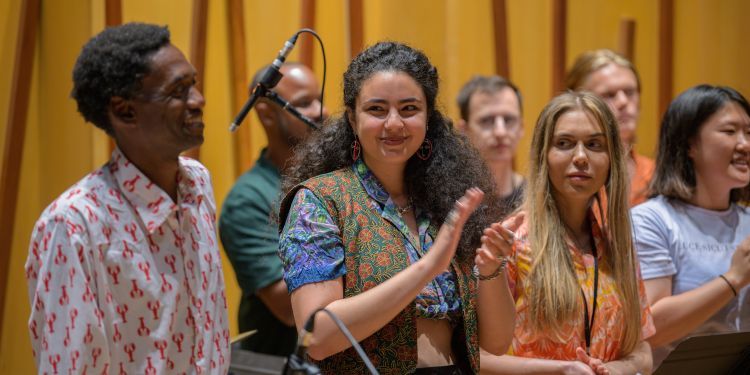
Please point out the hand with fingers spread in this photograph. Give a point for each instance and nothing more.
(496, 307)
(444, 247)
(497, 245)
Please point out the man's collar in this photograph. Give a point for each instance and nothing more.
(152, 204)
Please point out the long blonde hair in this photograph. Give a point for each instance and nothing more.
(552, 286)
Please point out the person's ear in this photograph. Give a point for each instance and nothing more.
(121, 111)
(265, 114)
(352, 121)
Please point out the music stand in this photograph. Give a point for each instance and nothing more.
(727, 353)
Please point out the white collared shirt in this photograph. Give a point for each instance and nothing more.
(122, 279)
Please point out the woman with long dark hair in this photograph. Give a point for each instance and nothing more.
(693, 236)
(372, 230)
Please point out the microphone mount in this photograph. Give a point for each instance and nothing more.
(297, 363)
(262, 91)
(271, 77)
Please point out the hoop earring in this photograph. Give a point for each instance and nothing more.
(356, 148)
(425, 150)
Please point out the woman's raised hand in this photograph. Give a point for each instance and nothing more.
(444, 247)
(497, 243)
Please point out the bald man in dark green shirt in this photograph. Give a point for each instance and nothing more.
(249, 234)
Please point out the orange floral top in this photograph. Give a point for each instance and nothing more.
(608, 327)
(644, 170)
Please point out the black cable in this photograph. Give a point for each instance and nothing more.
(349, 337)
(323, 52)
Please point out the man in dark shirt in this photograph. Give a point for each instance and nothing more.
(249, 237)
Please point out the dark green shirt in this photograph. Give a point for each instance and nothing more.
(251, 238)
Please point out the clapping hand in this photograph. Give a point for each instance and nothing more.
(497, 245)
(444, 247)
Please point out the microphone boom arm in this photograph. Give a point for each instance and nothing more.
(289, 108)
(262, 91)
(257, 93)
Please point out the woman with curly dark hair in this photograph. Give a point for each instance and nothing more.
(365, 198)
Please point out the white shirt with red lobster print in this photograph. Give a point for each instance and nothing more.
(122, 280)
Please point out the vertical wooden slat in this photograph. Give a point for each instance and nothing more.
(15, 133)
(626, 42)
(500, 22)
(198, 40)
(113, 13)
(242, 146)
(559, 24)
(112, 17)
(356, 27)
(307, 20)
(666, 38)
(198, 53)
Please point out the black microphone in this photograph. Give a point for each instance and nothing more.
(297, 363)
(268, 80)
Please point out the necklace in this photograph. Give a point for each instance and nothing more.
(403, 210)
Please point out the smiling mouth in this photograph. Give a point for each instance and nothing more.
(195, 125)
(741, 163)
(394, 140)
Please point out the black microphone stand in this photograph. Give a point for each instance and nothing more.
(297, 363)
(299, 366)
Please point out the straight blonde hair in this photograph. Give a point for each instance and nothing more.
(552, 285)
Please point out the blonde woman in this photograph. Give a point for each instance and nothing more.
(581, 305)
(615, 79)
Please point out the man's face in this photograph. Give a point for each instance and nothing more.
(494, 125)
(300, 88)
(168, 107)
(618, 86)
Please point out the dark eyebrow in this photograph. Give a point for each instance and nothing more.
(737, 124)
(181, 78)
(383, 101)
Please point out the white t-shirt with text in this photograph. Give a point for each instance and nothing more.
(692, 245)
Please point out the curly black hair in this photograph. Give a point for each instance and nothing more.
(113, 63)
(433, 184)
